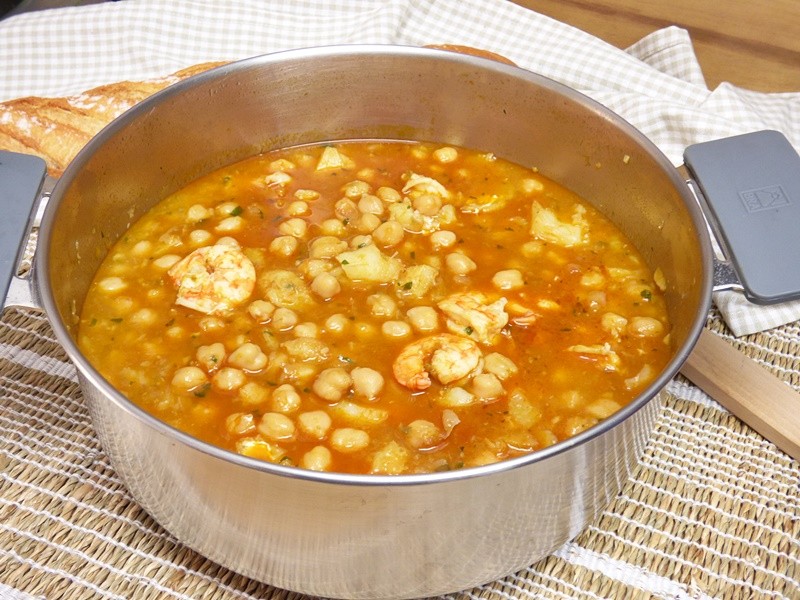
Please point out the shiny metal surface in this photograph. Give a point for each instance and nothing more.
(368, 536)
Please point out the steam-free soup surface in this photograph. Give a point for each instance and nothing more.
(376, 307)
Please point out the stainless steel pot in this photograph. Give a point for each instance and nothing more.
(342, 535)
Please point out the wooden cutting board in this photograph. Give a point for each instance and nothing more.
(747, 390)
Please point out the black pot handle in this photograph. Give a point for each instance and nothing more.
(21, 179)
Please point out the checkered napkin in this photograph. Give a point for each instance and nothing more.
(657, 84)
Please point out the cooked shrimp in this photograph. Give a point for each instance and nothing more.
(446, 356)
(470, 313)
(214, 279)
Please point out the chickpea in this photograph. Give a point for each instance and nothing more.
(422, 434)
(307, 329)
(228, 241)
(248, 357)
(171, 238)
(389, 234)
(487, 386)
(645, 327)
(332, 384)
(428, 204)
(510, 279)
(229, 379)
(360, 241)
(277, 179)
(311, 267)
(211, 324)
(424, 319)
(261, 310)
(596, 300)
(298, 208)
(442, 239)
(285, 399)
(142, 248)
(546, 438)
(498, 365)
(574, 425)
(396, 329)
(166, 261)
(445, 154)
(240, 423)
(388, 194)
(532, 249)
(294, 227)
(144, 317)
(367, 223)
(306, 195)
(210, 357)
(188, 379)
(112, 285)
(314, 423)
(459, 264)
(346, 210)
(176, 333)
(390, 460)
(356, 189)
(284, 319)
(326, 286)
(253, 394)
(593, 279)
(284, 245)
(327, 246)
(370, 204)
(200, 237)
(282, 164)
(317, 459)
(530, 186)
(332, 227)
(603, 408)
(382, 306)
(348, 440)
(367, 382)
(230, 225)
(226, 209)
(337, 323)
(276, 426)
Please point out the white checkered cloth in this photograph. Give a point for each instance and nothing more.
(657, 84)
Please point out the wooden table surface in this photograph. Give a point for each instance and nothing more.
(754, 44)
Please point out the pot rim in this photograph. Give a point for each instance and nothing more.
(110, 393)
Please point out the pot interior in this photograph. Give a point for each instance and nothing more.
(385, 92)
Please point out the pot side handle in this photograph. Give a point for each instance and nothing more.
(749, 187)
(21, 179)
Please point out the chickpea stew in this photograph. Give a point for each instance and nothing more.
(376, 307)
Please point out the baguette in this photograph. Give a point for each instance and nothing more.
(56, 129)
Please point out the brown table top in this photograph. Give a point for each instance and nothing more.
(755, 45)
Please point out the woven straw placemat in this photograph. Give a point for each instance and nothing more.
(711, 512)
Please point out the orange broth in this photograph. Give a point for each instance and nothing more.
(535, 318)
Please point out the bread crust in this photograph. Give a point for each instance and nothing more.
(56, 129)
